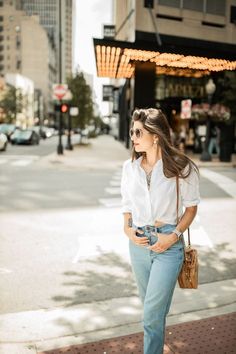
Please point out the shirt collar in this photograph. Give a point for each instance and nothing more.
(139, 159)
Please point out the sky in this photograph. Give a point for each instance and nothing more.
(89, 20)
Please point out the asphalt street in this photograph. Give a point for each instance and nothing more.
(61, 234)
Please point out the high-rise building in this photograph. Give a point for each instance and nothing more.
(27, 50)
(48, 12)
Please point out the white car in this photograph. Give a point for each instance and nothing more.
(3, 142)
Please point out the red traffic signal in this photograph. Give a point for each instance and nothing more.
(64, 108)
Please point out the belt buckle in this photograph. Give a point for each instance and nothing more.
(147, 228)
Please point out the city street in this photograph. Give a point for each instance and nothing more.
(62, 244)
(140, 75)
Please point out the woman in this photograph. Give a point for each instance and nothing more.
(149, 198)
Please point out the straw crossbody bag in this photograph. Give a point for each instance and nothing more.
(188, 276)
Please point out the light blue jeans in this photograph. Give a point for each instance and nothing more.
(156, 275)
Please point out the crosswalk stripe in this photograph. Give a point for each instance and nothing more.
(112, 190)
(19, 160)
(110, 202)
(227, 184)
(21, 163)
(115, 183)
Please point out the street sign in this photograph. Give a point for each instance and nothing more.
(74, 111)
(109, 31)
(68, 96)
(59, 91)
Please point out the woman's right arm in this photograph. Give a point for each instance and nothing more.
(126, 209)
(128, 224)
(131, 233)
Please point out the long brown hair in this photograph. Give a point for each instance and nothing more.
(174, 160)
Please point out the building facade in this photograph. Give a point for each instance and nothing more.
(167, 50)
(48, 12)
(24, 99)
(28, 50)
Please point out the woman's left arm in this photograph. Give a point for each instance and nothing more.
(166, 241)
(189, 189)
(186, 220)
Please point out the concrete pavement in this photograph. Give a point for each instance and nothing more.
(45, 329)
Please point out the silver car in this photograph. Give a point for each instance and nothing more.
(3, 142)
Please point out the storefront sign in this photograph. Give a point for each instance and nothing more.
(186, 106)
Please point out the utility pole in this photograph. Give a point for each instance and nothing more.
(60, 146)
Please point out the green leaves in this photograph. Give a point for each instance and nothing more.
(82, 98)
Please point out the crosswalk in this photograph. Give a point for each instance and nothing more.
(113, 196)
(17, 160)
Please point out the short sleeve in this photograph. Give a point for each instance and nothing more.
(125, 201)
(189, 189)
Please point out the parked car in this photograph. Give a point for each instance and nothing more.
(39, 131)
(49, 131)
(7, 129)
(3, 142)
(27, 136)
(44, 131)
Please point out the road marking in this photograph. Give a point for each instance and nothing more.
(116, 178)
(110, 202)
(2, 161)
(115, 183)
(13, 157)
(5, 271)
(112, 190)
(22, 163)
(19, 160)
(227, 184)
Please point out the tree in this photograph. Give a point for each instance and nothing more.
(8, 104)
(82, 98)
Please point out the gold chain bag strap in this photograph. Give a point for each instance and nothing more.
(188, 276)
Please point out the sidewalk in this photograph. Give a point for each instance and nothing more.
(88, 156)
(198, 319)
(187, 338)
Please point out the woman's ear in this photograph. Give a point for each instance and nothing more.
(156, 138)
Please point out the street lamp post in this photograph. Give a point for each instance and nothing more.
(210, 89)
(60, 146)
(69, 146)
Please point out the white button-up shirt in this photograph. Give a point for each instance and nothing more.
(159, 202)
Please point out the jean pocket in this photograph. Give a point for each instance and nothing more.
(139, 234)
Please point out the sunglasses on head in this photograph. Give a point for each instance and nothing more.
(138, 133)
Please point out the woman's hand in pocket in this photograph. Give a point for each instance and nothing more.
(138, 240)
(164, 242)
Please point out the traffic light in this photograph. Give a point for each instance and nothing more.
(64, 108)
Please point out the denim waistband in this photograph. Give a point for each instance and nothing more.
(153, 228)
(148, 228)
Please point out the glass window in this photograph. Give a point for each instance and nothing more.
(193, 5)
(215, 7)
(172, 3)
